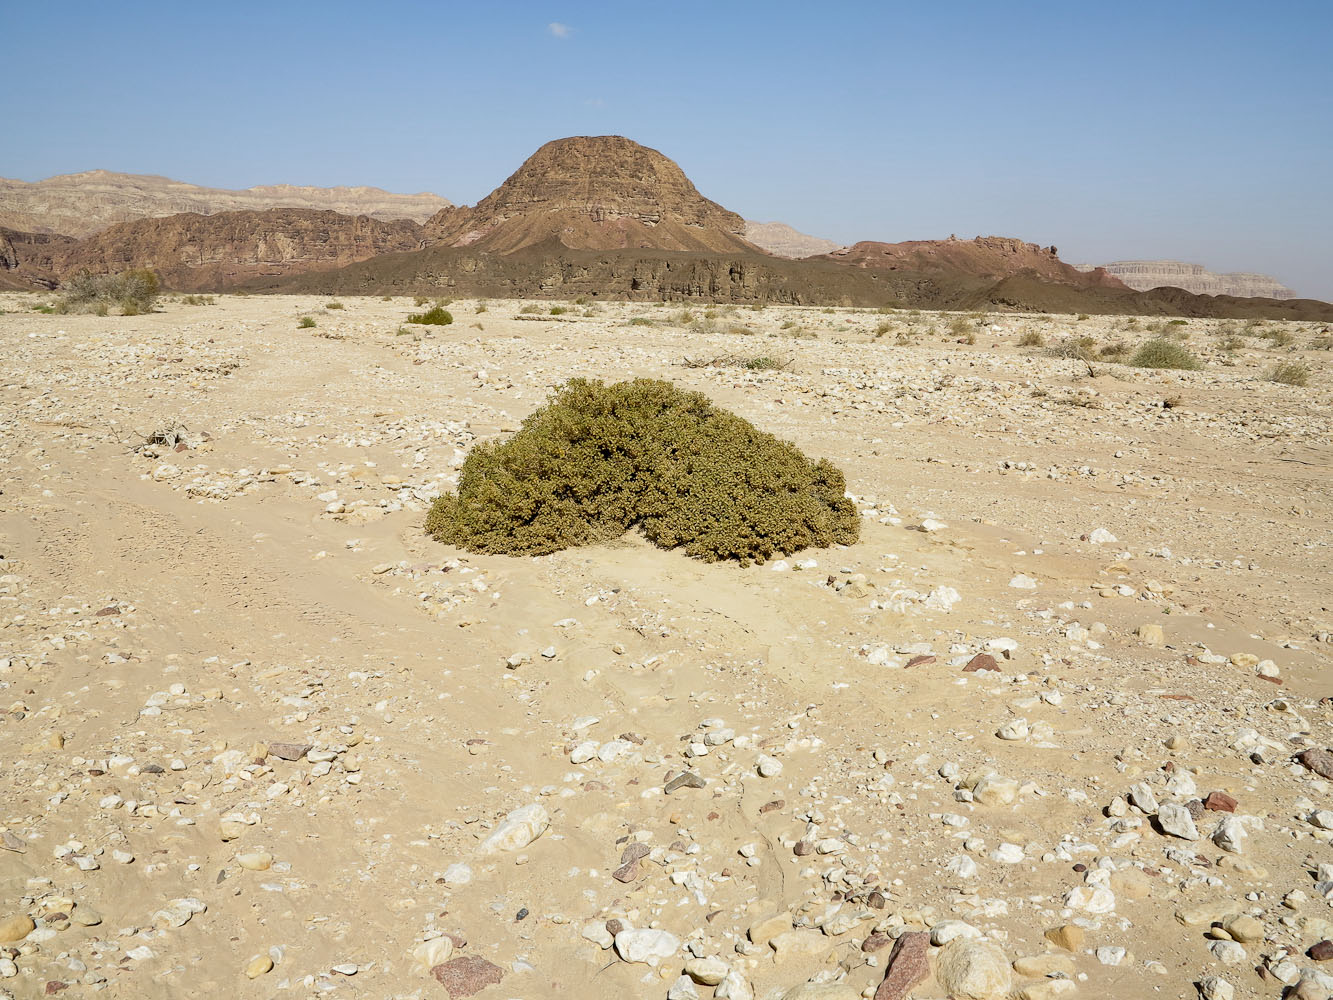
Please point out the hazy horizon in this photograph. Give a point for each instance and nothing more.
(1194, 132)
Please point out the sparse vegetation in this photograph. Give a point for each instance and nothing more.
(436, 315)
(1115, 349)
(754, 363)
(134, 292)
(1290, 373)
(481, 308)
(1160, 353)
(307, 322)
(1031, 338)
(333, 305)
(640, 321)
(597, 460)
(1278, 337)
(558, 310)
(198, 300)
(531, 309)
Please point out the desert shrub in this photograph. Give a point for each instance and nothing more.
(787, 324)
(1231, 342)
(334, 305)
(420, 301)
(1290, 373)
(1031, 338)
(1115, 349)
(1177, 322)
(883, 328)
(582, 300)
(307, 322)
(1073, 349)
(1279, 337)
(640, 321)
(1164, 354)
(754, 363)
(1321, 344)
(959, 325)
(133, 291)
(1081, 317)
(481, 308)
(558, 310)
(434, 316)
(198, 300)
(599, 459)
(531, 309)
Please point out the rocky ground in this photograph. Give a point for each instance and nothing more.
(1055, 727)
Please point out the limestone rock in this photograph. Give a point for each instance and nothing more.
(519, 829)
(973, 970)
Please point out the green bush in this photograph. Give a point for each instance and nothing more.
(558, 310)
(334, 305)
(1290, 373)
(434, 316)
(640, 321)
(133, 291)
(597, 460)
(307, 322)
(1164, 354)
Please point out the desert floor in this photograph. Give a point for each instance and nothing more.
(251, 715)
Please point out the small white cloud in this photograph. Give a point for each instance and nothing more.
(595, 102)
(559, 30)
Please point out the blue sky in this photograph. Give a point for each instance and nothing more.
(1188, 130)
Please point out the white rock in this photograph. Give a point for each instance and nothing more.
(1216, 988)
(708, 971)
(1008, 854)
(1023, 582)
(962, 866)
(734, 986)
(457, 874)
(1142, 796)
(1230, 835)
(931, 525)
(584, 752)
(769, 767)
(596, 932)
(1100, 536)
(947, 930)
(1090, 899)
(1176, 820)
(682, 989)
(1016, 730)
(1109, 955)
(1228, 952)
(1322, 818)
(519, 829)
(646, 945)
(436, 951)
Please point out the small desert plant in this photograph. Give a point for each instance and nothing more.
(1290, 373)
(197, 300)
(307, 322)
(960, 325)
(640, 321)
(436, 315)
(558, 310)
(420, 301)
(334, 305)
(481, 308)
(1324, 343)
(531, 309)
(134, 291)
(582, 300)
(1081, 317)
(45, 308)
(597, 460)
(1164, 354)
(1073, 348)
(1231, 342)
(754, 363)
(1115, 349)
(1031, 338)
(1177, 322)
(1278, 337)
(883, 328)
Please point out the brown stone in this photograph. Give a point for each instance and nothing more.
(1069, 937)
(773, 806)
(1322, 951)
(875, 942)
(921, 661)
(289, 751)
(802, 848)
(1220, 802)
(467, 975)
(908, 965)
(982, 661)
(1318, 761)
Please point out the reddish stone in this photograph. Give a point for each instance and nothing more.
(1271, 680)
(908, 965)
(54, 986)
(875, 942)
(982, 661)
(467, 975)
(1322, 951)
(1220, 802)
(920, 661)
(773, 806)
(1318, 761)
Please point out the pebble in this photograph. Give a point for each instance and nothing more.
(518, 829)
(258, 966)
(646, 945)
(769, 767)
(1216, 988)
(1176, 820)
(16, 928)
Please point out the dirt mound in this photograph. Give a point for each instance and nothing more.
(983, 257)
(86, 203)
(192, 252)
(595, 193)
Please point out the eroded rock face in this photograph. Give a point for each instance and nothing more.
(27, 260)
(1142, 275)
(593, 192)
(985, 256)
(207, 252)
(87, 203)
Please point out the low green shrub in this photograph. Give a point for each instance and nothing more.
(1290, 373)
(334, 305)
(1031, 338)
(134, 292)
(640, 321)
(1164, 354)
(307, 323)
(558, 310)
(599, 459)
(434, 316)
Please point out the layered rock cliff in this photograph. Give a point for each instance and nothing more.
(985, 257)
(210, 252)
(86, 203)
(1142, 275)
(593, 193)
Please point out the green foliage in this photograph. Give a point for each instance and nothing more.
(558, 310)
(1279, 337)
(434, 316)
(640, 321)
(598, 460)
(334, 305)
(1290, 373)
(1164, 354)
(307, 322)
(134, 291)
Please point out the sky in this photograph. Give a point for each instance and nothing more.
(1178, 130)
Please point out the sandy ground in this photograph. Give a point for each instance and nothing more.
(177, 620)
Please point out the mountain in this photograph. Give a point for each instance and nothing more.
(27, 260)
(1145, 274)
(83, 204)
(782, 240)
(593, 193)
(995, 257)
(192, 252)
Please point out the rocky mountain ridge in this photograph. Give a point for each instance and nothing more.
(985, 256)
(85, 203)
(1143, 275)
(593, 193)
(782, 240)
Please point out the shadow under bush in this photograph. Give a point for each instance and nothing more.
(598, 460)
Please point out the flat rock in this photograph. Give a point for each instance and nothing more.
(467, 975)
(968, 969)
(1318, 761)
(519, 829)
(908, 964)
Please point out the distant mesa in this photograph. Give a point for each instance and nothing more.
(994, 257)
(83, 204)
(1142, 275)
(601, 192)
(782, 240)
